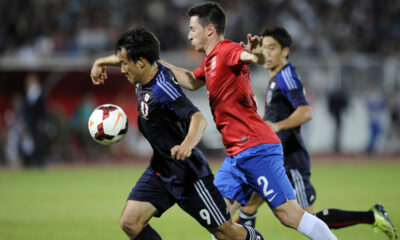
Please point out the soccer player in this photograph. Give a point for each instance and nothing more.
(286, 109)
(178, 172)
(255, 156)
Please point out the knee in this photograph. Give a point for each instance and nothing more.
(290, 218)
(229, 231)
(131, 228)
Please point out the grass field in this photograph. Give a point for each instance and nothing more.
(86, 202)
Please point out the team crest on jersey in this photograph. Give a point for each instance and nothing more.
(146, 97)
(144, 108)
(273, 84)
(213, 62)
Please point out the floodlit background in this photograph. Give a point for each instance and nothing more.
(347, 54)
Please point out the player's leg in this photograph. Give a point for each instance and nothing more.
(147, 199)
(229, 182)
(205, 203)
(376, 216)
(305, 195)
(134, 220)
(248, 213)
(263, 168)
(230, 230)
(337, 218)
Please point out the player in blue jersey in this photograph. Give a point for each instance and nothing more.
(286, 109)
(178, 172)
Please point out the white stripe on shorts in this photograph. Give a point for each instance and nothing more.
(209, 202)
(299, 187)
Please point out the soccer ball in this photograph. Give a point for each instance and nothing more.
(108, 124)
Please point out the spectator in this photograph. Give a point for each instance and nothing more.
(337, 104)
(34, 140)
(376, 105)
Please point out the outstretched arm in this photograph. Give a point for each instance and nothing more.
(98, 74)
(185, 77)
(253, 50)
(300, 116)
(196, 130)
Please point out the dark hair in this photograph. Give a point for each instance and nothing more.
(139, 42)
(209, 13)
(280, 34)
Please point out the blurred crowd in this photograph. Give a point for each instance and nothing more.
(32, 133)
(33, 28)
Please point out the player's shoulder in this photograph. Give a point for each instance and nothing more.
(227, 44)
(165, 84)
(287, 77)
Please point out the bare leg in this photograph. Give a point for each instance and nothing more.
(252, 206)
(135, 217)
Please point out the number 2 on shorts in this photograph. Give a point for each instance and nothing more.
(264, 180)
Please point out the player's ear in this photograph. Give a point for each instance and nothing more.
(210, 29)
(286, 52)
(142, 62)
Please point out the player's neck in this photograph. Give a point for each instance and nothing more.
(212, 42)
(277, 69)
(149, 73)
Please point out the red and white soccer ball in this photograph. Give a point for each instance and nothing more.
(108, 124)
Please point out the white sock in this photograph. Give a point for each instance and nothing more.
(315, 228)
(246, 216)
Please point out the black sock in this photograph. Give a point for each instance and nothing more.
(253, 234)
(336, 218)
(147, 233)
(246, 219)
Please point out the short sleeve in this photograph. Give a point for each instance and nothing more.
(171, 97)
(232, 54)
(199, 73)
(297, 98)
(292, 88)
(182, 107)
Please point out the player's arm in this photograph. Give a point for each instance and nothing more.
(185, 77)
(197, 127)
(253, 51)
(300, 116)
(98, 74)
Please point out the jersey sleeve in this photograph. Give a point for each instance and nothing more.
(199, 73)
(182, 107)
(292, 88)
(171, 97)
(232, 54)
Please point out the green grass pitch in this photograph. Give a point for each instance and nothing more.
(86, 202)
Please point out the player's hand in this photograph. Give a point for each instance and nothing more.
(254, 44)
(274, 126)
(98, 74)
(181, 152)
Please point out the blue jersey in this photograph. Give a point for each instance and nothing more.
(164, 119)
(284, 94)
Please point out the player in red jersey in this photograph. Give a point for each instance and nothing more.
(255, 156)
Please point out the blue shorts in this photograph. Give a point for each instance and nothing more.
(260, 169)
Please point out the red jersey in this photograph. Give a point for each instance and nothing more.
(232, 100)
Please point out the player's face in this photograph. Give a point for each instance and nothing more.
(276, 56)
(197, 34)
(131, 70)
